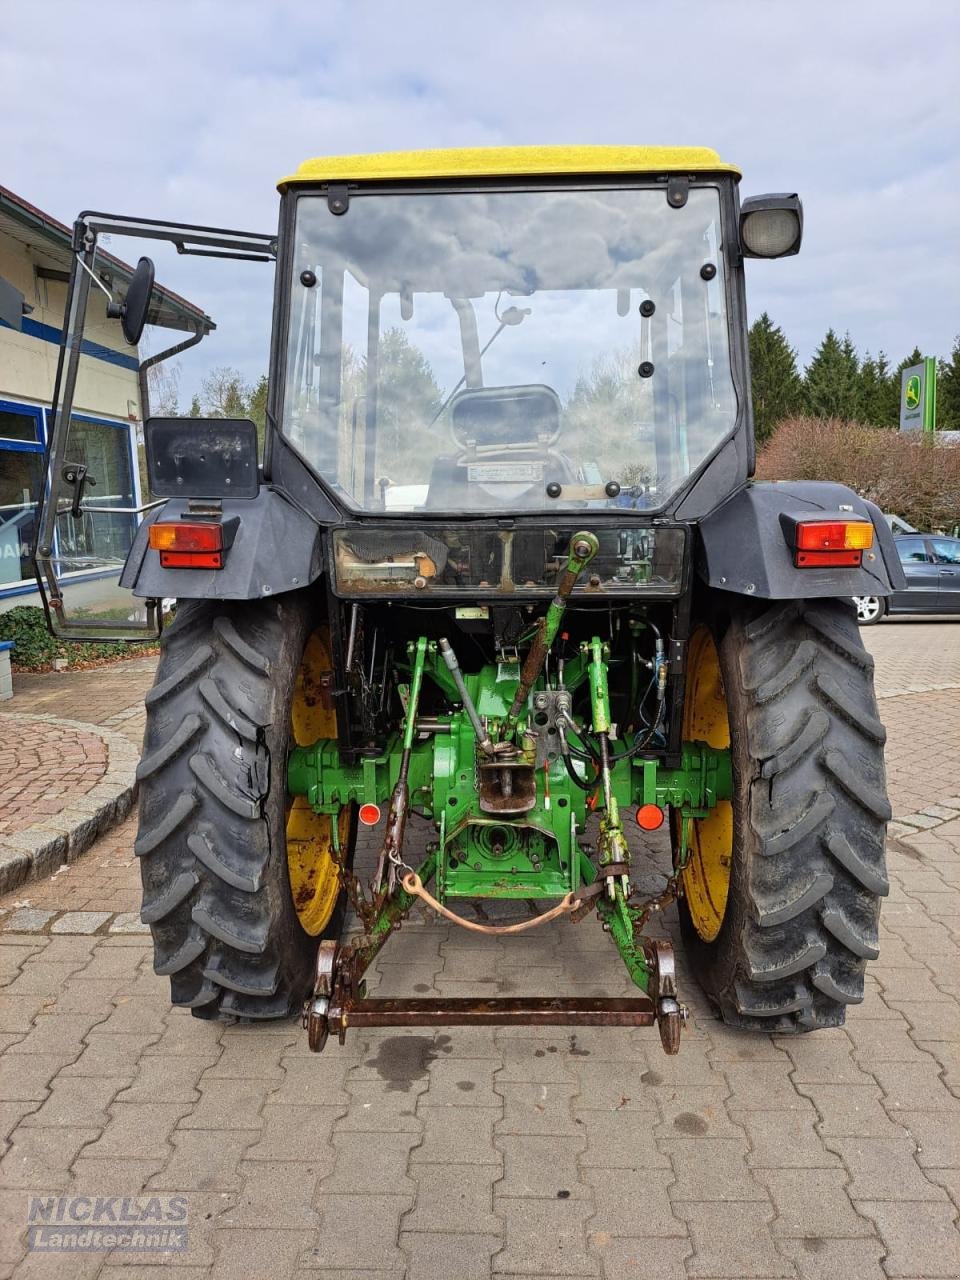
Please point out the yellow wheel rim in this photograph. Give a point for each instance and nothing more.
(314, 881)
(706, 876)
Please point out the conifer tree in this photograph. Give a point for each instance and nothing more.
(878, 395)
(948, 391)
(775, 383)
(831, 385)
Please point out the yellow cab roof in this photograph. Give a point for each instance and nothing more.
(496, 162)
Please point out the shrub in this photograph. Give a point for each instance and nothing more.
(905, 473)
(35, 648)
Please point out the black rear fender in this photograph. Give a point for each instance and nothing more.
(276, 548)
(741, 545)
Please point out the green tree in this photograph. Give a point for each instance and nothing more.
(831, 384)
(195, 410)
(948, 390)
(775, 383)
(878, 394)
(257, 409)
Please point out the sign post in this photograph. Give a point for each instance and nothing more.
(918, 396)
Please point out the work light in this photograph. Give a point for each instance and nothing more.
(771, 226)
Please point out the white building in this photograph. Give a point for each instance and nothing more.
(35, 261)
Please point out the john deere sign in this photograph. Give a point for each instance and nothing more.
(918, 396)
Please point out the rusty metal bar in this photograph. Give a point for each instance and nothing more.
(535, 1011)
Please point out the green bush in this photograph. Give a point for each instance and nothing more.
(35, 648)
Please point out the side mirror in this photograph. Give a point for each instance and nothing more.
(132, 312)
(771, 226)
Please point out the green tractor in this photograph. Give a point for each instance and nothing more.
(502, 566)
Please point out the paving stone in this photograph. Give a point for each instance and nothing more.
(377, 1108)
(124, 1175)
(544, 1237)
(31, 1077)
(244, 1056)
(785, 1140)
(345, 1240)
(275, 1194)
(914, 986)
(293, 1133)
(947, 1056)
(933, 1020)
(884, 1169)
(199, 1164)
(49, 1266)
(58, 1037)
(541, 1166)
(166, 1080)
(109, 1056)
(364, 1166)
(453, 1198)
(640, 1258)
(732, 1244)
(141, 1129)
(712, 1169)
(762, 1086)
(817, 1258)
(80, 996)
(39, 978)
(133, 1017)
(937, 1143)
(619, 1140)
(459, 1082)
(39, 1159)
(467, 1257)
(695, 1114)
(228, 1104)
(632, 1202)
(916, 1086)
(949, 1180)
(470, 1141)
(537, 1108)
(850, 1110)
(612, 1085)
(529, 1062)
(18, 1012)
(826, 1059)
(921, 1239)
(309, 1081)
(244, 1252)
(79, 921)
(812, 1202)
(27, 920)
(128, 922)
(882, 1042)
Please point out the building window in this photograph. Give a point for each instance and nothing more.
(21, 474)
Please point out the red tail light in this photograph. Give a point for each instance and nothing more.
(832, 542)
(185, 544)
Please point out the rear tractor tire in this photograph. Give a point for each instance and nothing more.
(239, 885)
(781, 891)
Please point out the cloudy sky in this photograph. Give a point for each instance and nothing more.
(192, 109)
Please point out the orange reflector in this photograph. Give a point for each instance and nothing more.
(369, 814)
(834, 535)
(188, 545)
(185, 536)
(649, 817)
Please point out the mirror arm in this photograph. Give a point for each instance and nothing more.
(150, 361)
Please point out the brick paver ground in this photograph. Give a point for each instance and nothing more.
(489, 1152)
(68, 749)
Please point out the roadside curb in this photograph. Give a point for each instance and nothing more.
(40, 849)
